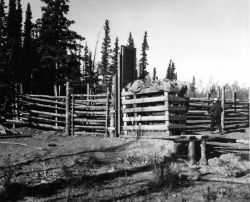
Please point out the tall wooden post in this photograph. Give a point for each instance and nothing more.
(67, 109)
(203, 159)
(112, 108)
(191, 152)
(72, 113)
(118, 101)
(21, 88)
(107, 112)
(223, 107)
(55, 94)
(234, 100)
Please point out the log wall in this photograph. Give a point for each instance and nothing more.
(73, 113)
(157, 114)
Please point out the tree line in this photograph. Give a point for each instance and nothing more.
(46, 52)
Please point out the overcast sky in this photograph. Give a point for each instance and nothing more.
(205, 38)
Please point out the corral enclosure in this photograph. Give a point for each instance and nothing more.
(152, 114)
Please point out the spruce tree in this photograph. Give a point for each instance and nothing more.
(154, 74)
(131, 41)
(106, 44)
(3, 41)
(14, 34)
(143, 61)
(59, 46)
(192, 87)
(85, 62)
(173, 73)
(114, 58)
(168, 76)
(28, 51)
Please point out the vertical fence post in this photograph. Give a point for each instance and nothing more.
(72, 113)
(67, 109)
(21, 88)
(167, 112)
(234, 100)
(112, 109)
(223, 107)
(191, 152)
(107, 112)
(55, 94)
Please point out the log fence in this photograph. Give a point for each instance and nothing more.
(157, 114)
(77, 114)
(235, 114)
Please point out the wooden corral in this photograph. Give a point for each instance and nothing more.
(153, 114)
(147, 114)
(72, 113)
(235, 114)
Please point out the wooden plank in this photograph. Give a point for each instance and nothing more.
(198, 121)
(48, 113)
(144, 91)
(89, 120)
(89, 95)
(44, 100)
(144, 100)
(91, 108)
(154, 109)
(44, 119)
(236, 122)
(41, 96)
(102, 101)
(89, 127)
(146, 127)
(145, 109)
(236, 126)
(97, 113)
(145, 118)
(43, 105)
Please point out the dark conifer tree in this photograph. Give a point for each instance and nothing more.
(143, 61)
(14, 33)
(28, 51)
(58, 45)
(173, 73)
(131, 41)
(3, 41)
(90, 77)
(154, 74)
(114, 58)
(106, 44)
(85, 61)
(192, 88)
(168, 76)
